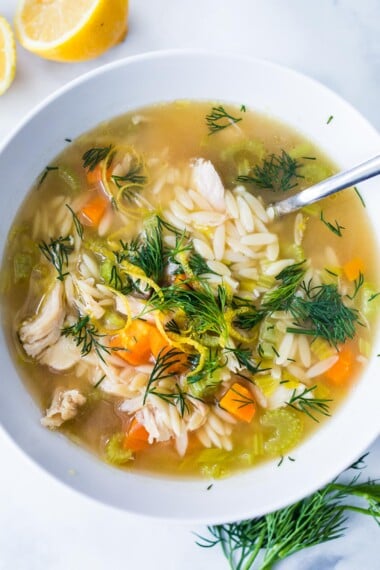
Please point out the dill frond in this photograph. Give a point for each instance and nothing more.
(278, 172)
(57, 253)
(219, 119)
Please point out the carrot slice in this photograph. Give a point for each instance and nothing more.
(94, 210)
(238, 401)
(136, 438)
(94, 176)
(342, 369)
(353, 268)
(135, 341)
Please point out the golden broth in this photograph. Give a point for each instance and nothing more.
(169, 136)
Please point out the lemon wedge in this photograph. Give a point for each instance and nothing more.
(7, 55)
(71, 30)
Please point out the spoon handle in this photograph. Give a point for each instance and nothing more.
(329, 186)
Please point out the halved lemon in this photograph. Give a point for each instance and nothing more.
(7, 55)
(71, 30)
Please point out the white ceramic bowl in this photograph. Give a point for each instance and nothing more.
(115, 89)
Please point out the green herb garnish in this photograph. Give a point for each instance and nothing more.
(278, 172)
(335, 229)
(312, 521)
(57, 252)
(77, 223)
(359, 196)
(93, 156)
(218, 119)
(329, 119)
(86, 336)
(45, 173)
(305, 402)
(323, 314)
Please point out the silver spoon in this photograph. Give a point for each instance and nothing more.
(329, 186)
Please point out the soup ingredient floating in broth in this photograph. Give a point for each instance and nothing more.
(7, 55)
(168, 324)
(65, 30)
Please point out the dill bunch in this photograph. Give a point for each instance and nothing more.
(324, 314)
(261, 542)
(278, 172)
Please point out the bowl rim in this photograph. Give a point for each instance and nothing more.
(157, 55)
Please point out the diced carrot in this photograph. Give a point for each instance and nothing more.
(93, 211)
(135, 342)
(238, 401)
(94, 176)
(353, 268)
(141, 341)
(136, 438)
(159, 345)
(342, 369)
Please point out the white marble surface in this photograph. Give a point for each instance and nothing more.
(44, 525)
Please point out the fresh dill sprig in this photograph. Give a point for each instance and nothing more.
(312, 521)
(120, 281)
(93, 156)
(77, 223)
(242, 399)
(146, 251)
(172, 326)
(166, 366)
(45, 173)
(305, 402)
(323, 314)
(134, 176)
(359, 196)
(281, 298)
(86, 336)
(278, 172)
(166, 361)
(247, 314)
(219, 119)
(329, 119)
(57, 252)
(358, 284)
(246, 360)
(204, 311)
(199, 265)
(335, 229)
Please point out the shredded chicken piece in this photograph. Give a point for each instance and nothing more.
(62, 355)
(208, 183)
(44, 329)
(64, 407)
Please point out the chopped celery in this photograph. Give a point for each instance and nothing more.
(70, 178)
(286, 427)
(266, 281)
(266, 383)
(258, 444)
(113, 320)
(312, 210)
(268, 331)
(244, 154)
(314, 171)
(369, 300)
(106, 270)
(115, 452)
(364, 347)
(290, 381)
(22, 266)
(302, 150)
(321, 348)
(266, 351)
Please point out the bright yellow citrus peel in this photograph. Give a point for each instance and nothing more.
(71, 30)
